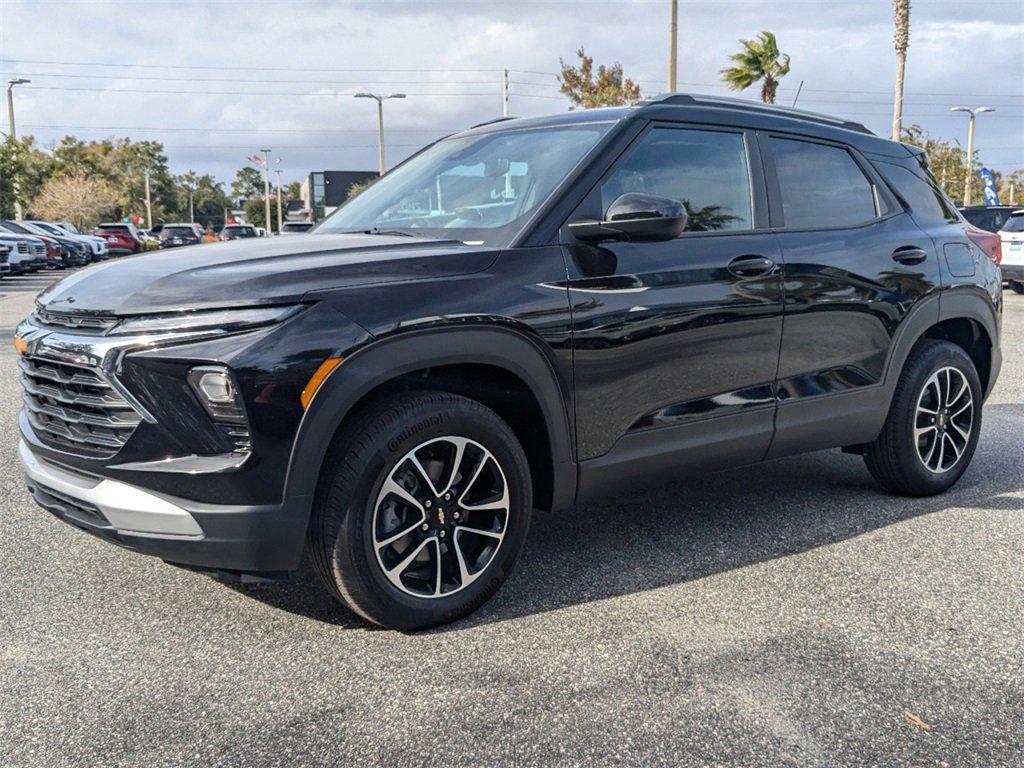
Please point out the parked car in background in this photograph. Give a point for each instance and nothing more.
(73, 253)
(122, 237)
(97, 245)
(1011, 237)
(150, 241)
(52, 253)
(237, 231)
(177, 235)
(22, 257)
(5, 255)
(295, 227)
(988, 217)
(85, 246)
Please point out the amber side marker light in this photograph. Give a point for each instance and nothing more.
(20, 345)
(318, 378)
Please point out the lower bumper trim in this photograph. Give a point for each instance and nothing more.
(127, 509)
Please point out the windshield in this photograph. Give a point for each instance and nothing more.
(477, 188)
(17, 229)
(1015, 223)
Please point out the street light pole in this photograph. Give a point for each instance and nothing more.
(970, 146)
(278, 172)
(380, 123)
(673, 42)
(149, 204)
(13, 134)
(266, 187)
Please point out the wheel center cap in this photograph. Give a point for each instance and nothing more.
(941, 420)
(440, 516)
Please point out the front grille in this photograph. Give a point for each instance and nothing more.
(22, 247)
(63, 320)
(75, 408)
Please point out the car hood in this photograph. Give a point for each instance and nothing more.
(257, 271)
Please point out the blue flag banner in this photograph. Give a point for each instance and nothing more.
(991, 196)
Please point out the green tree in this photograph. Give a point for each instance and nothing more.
(758, 60)
(207, 198)
(248, 184)
(23, 162)
(255, 213)
(610, 88)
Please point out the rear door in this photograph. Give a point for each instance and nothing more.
(676, 343)
(855, 265)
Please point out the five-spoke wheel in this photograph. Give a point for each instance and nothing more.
(944, 419)
(440, 516)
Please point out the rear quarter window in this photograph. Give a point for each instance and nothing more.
(1015, 223)
(927, 204)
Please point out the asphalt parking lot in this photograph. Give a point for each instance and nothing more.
(784, 614)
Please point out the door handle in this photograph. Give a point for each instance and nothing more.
(751, 265)
(909, 254)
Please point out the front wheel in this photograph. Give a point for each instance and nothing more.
(933, 425)
(423, 506)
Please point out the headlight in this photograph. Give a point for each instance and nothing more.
(221, 320)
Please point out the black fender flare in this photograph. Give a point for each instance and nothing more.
(387, 358)
(968, 302)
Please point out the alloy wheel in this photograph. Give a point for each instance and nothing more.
(440, 517)
(943, 420)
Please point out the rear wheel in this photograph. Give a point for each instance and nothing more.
(932, 429)
(423, 507)
(1017, 286)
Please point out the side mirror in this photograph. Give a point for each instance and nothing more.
(637, 217)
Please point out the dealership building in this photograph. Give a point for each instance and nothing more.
(323, 191)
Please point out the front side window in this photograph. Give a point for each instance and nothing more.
(706, 171)
(476, 188)
(822, 186)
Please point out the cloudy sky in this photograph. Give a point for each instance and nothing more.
(215, 79)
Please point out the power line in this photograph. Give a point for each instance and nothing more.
(232, 130)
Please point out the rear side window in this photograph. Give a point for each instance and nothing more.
(926, 202)
(822, 186)
(704, 170)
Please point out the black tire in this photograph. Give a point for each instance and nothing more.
(1017, 287)
(893, 458)
(363, 456)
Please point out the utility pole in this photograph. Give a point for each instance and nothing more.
(278, 172)
(673, 30)
(380, 122)
(191, 209)
(266, 186)
(149, 204)
(504, 94)
(14, 137)
(972, 113)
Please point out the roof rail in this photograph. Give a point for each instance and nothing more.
(753, 106)
(490, 122)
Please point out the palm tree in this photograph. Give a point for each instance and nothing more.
(901, 18)
(758, 60)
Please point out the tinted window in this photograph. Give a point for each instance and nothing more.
(704, 170)
(926, 202)
(179, 232)
(822, 186)
(1015, 223)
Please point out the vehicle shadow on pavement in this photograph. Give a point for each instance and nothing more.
(699, 527)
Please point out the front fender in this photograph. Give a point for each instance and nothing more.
(381, 361)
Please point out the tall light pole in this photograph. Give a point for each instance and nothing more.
(277, 171)
(380, 121)
(970, 145)
(14, 136)
(673, 35)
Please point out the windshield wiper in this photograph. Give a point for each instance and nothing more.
(397, 232)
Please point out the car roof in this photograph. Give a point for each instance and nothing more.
(716, 110)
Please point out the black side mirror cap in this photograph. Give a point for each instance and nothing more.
(637, 217)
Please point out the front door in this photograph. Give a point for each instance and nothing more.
(676, 344)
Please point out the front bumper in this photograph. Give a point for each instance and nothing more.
(215, 537)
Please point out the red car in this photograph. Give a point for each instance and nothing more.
(121, 238)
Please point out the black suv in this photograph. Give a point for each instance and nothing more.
(529, 314)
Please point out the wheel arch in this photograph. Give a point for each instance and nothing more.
(501, 367)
